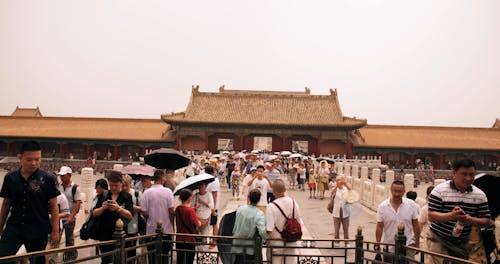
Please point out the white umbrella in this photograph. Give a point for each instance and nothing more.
(193, 182)
(286, 153)
(226, 152)
(255, 151)
(271, 158)
(296, 155)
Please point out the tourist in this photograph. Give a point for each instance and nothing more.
(451, 224)
(272, 174)
(186, 222)
(390, 213)
(261, 182)
(248, 218)
(28, 223)
(235, 183)
(276, 222)
(301, 179)
(117, 204)
(214, 189)
(203, 203)
(323, 174)
(425, 224)
(312, 184)
(74, 197)
(169, 181)
(340, 216)
(133, 224)
(157, 204)
(244, 186)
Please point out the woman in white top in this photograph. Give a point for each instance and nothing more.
(339, 216)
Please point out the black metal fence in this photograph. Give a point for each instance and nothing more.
(167, 248)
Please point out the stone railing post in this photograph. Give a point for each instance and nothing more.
(119, 237)
(158, 240)
(257, 247)
(359, 246)
(400, 245)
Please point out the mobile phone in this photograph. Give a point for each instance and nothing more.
(109, 201)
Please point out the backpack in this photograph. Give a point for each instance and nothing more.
(292, 231)
(73, 191)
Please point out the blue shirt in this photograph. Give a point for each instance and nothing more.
(248, 219)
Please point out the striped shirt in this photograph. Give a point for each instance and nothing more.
(445, 197)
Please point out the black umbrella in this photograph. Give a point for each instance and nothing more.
(166, 158)
(328, 160)
(490, 185)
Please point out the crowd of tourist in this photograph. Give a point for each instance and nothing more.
(35, 201)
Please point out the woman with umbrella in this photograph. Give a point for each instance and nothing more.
(186, 222)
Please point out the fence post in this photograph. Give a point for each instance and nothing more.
(257, 248)
(400, 245)
(158, 244)
(359, 246)
(119, 236)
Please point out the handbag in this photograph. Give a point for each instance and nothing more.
(329, 206)
(141, 220)
(90, 228)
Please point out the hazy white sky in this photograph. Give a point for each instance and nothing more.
(392, 62)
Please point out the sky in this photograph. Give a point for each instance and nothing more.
(428, 62)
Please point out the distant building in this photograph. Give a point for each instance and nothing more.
(264, 120)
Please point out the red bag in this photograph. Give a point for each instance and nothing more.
(292, 231)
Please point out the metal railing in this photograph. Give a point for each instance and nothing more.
(167, 248)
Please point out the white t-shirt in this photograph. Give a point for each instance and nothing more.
(246, 188)
(62, 201)
(406, 212)
(338, 203)
(202, 211)
(263, 186)
(215, 187)
(275, 218)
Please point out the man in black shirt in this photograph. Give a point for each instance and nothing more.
(28, 194)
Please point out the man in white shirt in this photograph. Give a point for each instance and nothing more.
(157, 203)
(73, 195)
(261, 182)
(395, 210)
(276, 221)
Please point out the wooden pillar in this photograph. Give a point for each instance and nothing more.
(283, 142)
(206, 140)
(412, 159)
(116, 150)
(348, 149)
(440, 163)
(382, 157)
(60, 149)
(87, 150)
(7, 150)
(241, 142)
(177, 142)
(318, 146)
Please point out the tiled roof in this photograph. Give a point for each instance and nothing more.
(33, 112)
(86, 128)
(273, 108)
(385, 136)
